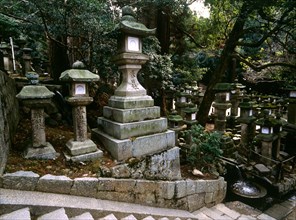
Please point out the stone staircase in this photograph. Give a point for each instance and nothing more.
(28, 205)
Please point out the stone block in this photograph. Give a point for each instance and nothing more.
(86, 186)
(147, 198)
(201, 186)
(130, 102)
(165, 189)
(46, 152)
(181, 189)
(124, 185)
(133, 129)
(81, 147)
(21, 180)
(137, 147)
(145, 186)
(117, 196)
(195, 202)
(92, 156)
(190, 187)
(106, 184)
(209, 197)
(55, 184)
(212, 185)
(131, 115)
(164, 166)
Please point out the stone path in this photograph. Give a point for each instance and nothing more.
(27, 205)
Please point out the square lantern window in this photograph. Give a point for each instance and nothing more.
(183, 99)
(227, 96)
(193, 116)
(80, 89)
(292, 94)
(265, 130)
(133, 44)
(250, 112)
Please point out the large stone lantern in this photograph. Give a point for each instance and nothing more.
(81, 148)
(36, 98)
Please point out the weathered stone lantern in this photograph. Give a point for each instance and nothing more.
(221, 104)
(247, 121)
(175, 123)
(6, 56)
(181, 101)
(81, 148)
(26, 60)
(190, 116)
(236, 97)
(267, 136)
(37, 97)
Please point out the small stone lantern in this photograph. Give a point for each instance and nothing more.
(6, 56)
(267, 136)
(190, 116)
(181, 101)
(175, 123)
(221, 104)
(36, 98)
(247, 121)
(81, 148)
(26, 60)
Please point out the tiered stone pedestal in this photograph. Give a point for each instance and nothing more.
(133, 132)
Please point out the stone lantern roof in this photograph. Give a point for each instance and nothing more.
(129, 25)
(34, 92)
(222, 87)
(78, 74)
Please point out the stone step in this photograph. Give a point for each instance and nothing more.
(59, 214)
(84, 216)
(21, 214)
(41, 204)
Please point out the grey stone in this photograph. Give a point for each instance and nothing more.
(21, 214)
(130, 115)
(145, 186)
(106, 184)
(124, 185)
(59, 214)
(86, 186)
(201, 186)
(262, 169)
(83, 216)
(133, 129)
(23, 180)
(55, 184)
(140, 146)
(195, 202)
(164, 166)
(46, 152)
(190, 187)
(81, 147)
(130, 102)
(181, 189)
(166, 189)
(121, 171)
(92, 156)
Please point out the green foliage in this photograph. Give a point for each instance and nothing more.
(205, 148)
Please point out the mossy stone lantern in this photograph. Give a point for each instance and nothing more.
(81, 148)
(175, 123)
(6, 56)
(190, 116)
(247, 121)
(36, 98)
(221, 104)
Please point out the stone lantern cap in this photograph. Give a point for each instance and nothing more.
(129, 25)
(175, 117)
(78, 74)
(4, 46)
(34, 92)
(248, 104)
(222, 87)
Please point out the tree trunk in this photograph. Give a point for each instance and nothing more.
(59, 61)
(163, 30)
(225, 61)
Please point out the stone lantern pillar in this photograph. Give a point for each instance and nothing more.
(80, 148)
(247, 121)
(235, 99)
(26, 60)
(221, 104)
(195, 93)
(37, 97)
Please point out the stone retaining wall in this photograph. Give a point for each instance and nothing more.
(9, 116)
(182, 194)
